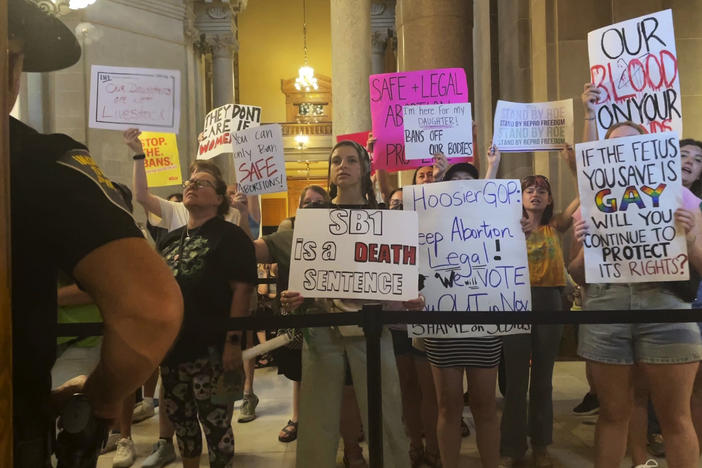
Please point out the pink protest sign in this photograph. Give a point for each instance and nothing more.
(389, 92)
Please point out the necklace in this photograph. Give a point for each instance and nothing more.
(194, 232)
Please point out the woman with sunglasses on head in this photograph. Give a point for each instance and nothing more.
(328, 351)
(214, 264)
(529, 358)
(661, 357)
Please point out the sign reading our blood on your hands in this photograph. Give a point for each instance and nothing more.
(389, 92)
(635, 65)
(162, 163)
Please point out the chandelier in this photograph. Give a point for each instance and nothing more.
(305, 80)
(61, 7)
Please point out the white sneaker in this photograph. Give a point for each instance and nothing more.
(650, 463)
(163, 454)
(111, 443)
(125, 455)
(143, 410)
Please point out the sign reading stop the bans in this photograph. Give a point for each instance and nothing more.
(355, 254)
(161, 163)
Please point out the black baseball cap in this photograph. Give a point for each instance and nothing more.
(48, 43)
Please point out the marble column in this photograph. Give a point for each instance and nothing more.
(223, 48)
(351, 65)
(378, 43)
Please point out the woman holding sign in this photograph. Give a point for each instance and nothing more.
(666, 354)
(328, 351)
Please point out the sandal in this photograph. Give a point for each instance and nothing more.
(432, 459)
(289, 432)
(416, 455)
(264, 360)
(356, 462)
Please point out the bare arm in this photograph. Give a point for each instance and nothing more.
(493, 157)
(384, 184)
(145, 198)
(254, 207)
(240, 202)
(72, 296)
(263, 255)
(141, 321)
(562, 221)
(576, 267)
(231, 356)
(591, 95)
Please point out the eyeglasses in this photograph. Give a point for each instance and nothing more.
(395, 202)
(197, 184)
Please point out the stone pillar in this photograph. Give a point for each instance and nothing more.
(379, 42)
(351, 65)
(223, 48)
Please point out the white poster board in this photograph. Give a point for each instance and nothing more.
(635, 64)
(438, 128)
(355, 254)
(533, 126)
(629, 190)
(220, 122)
(144, 98)
(472, 252)
(259, 161)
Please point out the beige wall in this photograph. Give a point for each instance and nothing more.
(270, 48)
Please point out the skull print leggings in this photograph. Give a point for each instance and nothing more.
(188, 390)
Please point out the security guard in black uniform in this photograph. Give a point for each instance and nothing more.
(67, 215)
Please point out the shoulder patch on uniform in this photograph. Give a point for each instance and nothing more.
(81, 161)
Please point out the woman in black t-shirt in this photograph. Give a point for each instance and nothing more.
(215, 266)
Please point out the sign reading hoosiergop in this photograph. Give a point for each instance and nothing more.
(145, 98)
(472, 252)
(355, 254)
(629, 190)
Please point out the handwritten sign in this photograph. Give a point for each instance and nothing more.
(629, 189)
(635, 64)
(162, 162)
(472, 252)
(535, 126)
(438, 128)
(355, 254)
(220, 122)
(389, 92)
(145, 98)
(259, 160)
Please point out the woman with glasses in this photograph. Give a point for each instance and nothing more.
(214, 264)
(529, 358)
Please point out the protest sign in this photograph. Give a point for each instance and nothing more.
(533, 126)
(389, 92)
(361, 138)
(438, 128)
(144, 98)
(162, 163)
(220, 123)
(355, 254)
(635, 64)
(259, 161)
(472, 252)
(629, 189)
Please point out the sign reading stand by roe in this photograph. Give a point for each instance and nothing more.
(390, 92)
(472, 252)
(438, 128)
(220, 123)
(355, 254)
(635, 65)
(259, 161)
(144, 98)
(629, 190)
(535, 126)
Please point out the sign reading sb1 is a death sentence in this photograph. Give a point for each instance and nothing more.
(220, 123)
(355, 254)
(259, 161)
(535, 126)
(389, 92)
(438, 128)
(635, 65)
(629, 191)
(472, 252)
(161, 162)
(144, 98)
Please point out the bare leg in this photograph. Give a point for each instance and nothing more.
(614, 386)
(249, 366)
(671, 391)
(588, 376)
(697, 406)
(449, 393)
(429, 408)
(165, 427)
(125, 418)
(150, 385)
(484, 408)
(296, 401)
(639, 420)
(411, 395)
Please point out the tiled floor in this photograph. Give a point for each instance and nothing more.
(257, 445)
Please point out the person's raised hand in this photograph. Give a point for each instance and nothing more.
(494, 156)
(591, 96)
(370, 143)
(440, 167)
(415, 304)
(526, 226)
(131, 139)
(240, 202)
(686, 219)
(568, 155)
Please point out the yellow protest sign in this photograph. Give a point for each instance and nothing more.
(162, 163)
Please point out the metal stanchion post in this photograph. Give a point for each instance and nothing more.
(372, 328)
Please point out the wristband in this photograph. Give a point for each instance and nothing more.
(137, 157)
